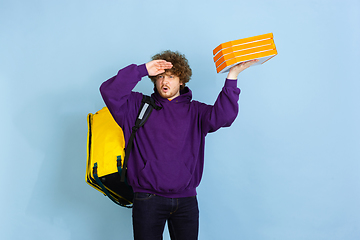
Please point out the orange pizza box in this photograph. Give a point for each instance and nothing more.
(261, 47)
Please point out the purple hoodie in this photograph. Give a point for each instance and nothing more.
(168, 154)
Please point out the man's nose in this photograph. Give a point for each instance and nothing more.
(166, 79)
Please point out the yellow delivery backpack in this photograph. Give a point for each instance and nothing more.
(106, 161)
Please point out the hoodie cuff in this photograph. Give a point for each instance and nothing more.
(230, 83)
(142, 70)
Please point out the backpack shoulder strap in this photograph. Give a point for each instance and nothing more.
(147, 105)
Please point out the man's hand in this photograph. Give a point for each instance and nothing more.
(157, 67)
(235, 70)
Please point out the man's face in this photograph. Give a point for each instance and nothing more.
(168, 85)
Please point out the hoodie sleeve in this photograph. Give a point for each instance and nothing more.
(225, 109)
(117, 92)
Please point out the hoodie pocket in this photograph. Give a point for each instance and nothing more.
(164, 176)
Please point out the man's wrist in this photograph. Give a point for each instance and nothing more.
(232, 76)
(143, 70)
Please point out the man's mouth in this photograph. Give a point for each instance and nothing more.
(165, 88)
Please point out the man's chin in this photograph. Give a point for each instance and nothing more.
(164, 95)
(167, 95)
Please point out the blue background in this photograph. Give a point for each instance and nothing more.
(288, 167)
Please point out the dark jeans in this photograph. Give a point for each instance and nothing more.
(150, 213)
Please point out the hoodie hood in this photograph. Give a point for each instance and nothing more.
(185, 97)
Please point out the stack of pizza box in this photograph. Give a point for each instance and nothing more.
(228, 54)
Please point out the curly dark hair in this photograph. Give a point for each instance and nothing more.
(180, 67)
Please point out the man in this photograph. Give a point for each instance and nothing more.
(166, 163)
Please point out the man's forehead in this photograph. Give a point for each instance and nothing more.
(167, 72)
